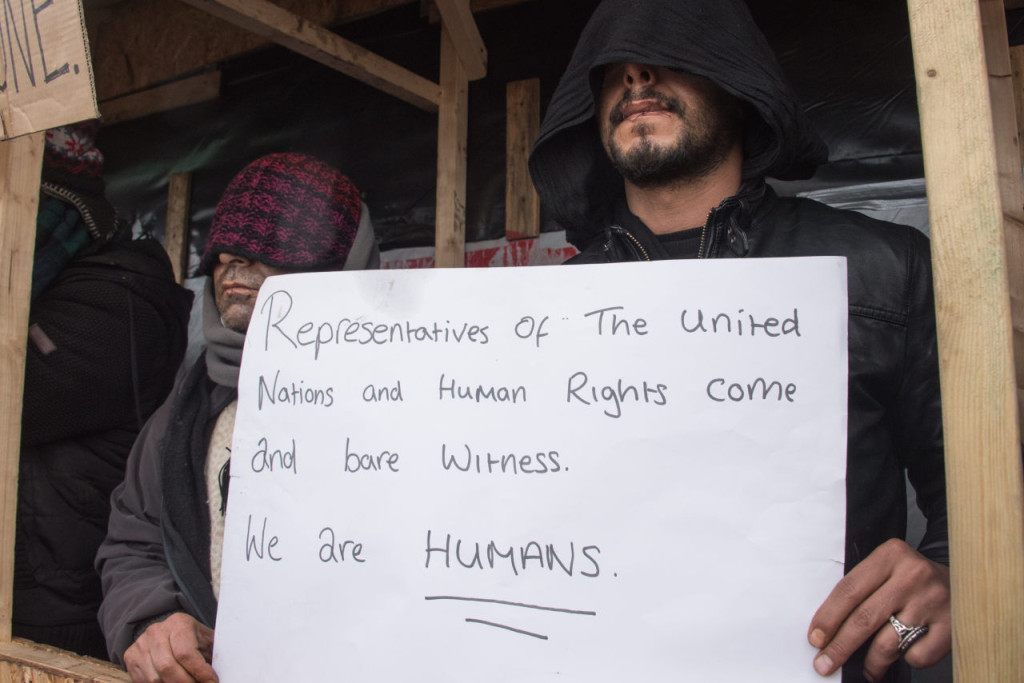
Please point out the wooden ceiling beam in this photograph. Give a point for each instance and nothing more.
(145, 43)
(458, 19)
(188, 91)
(316, 42)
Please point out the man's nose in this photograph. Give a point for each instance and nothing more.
(639, 75)
(226, 258)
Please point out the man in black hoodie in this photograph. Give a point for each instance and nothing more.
(655, 145)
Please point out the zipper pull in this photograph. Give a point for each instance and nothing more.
(739, 244)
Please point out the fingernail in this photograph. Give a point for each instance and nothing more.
(823, 664)
(817, 638)
(869, 677)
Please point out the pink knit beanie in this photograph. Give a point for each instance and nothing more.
(285, 210)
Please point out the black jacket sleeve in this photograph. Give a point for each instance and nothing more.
(918, 412)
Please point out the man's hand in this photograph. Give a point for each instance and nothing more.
(175, 650)
(893, 580)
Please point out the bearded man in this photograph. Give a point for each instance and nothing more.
(656, 145)
(160, 563)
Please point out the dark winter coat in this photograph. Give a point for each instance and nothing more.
(147, 572)
(106, 339)
(894, 414)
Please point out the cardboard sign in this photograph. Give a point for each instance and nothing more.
(45, 69)
(592, 473)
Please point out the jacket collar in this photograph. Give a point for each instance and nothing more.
(726, 232)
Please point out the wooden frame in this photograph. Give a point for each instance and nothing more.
(176, 226)
(972, 298)
(972, 164)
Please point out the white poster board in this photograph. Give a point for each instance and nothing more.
(592, 473)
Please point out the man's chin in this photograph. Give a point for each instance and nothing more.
(236, 318)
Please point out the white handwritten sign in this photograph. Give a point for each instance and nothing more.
(45, 69)
(592, 473)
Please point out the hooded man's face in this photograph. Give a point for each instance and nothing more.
(661, 126)
(236, 282)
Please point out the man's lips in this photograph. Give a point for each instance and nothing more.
(638, 108)
(236, 289)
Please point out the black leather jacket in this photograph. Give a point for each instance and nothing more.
(894, 414)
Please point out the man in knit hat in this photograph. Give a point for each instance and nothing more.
(107, 330)
(160, 562)
(656, 145)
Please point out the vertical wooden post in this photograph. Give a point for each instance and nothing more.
(1011, 181)
(979, 401)
(522, 126)
(21, 161)
(179, 190)
(452, 128)
(1016, 268)
(1017, 68)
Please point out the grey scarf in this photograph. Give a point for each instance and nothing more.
(223, 345)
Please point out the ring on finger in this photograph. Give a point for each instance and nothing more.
(907, 634)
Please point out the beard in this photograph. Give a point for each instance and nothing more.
(709, 132)
(236, 309)
(236, 312)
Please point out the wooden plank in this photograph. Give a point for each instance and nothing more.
(983, 462)
(1008, 159)
(21, 162)
(1017, 69)
(144, 43)
(176, 227)
(187, 91)
(1013, 241)
(522, 126)
(452, 129)
(316, 42)
(462, 29)
(21, 660)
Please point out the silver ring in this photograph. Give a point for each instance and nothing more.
(908, 635)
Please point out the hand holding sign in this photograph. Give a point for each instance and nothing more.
(177, 648)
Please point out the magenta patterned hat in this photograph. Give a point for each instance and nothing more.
(285, 210)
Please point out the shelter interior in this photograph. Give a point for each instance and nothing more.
(188, 98)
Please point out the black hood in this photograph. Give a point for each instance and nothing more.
(716, 39)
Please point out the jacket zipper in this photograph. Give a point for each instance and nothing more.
(58, 192)
(704, 233)
(635, 241)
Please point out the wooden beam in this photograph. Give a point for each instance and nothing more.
(458, 17)
(1008, 160)
(1017, 68)
(316, 42)
(187, 91)
(176, 227)
(452, 129)
(21, 660)
(522, 126)
(1014, 235)
(979, 407)
(144, 43)
(21, 161)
